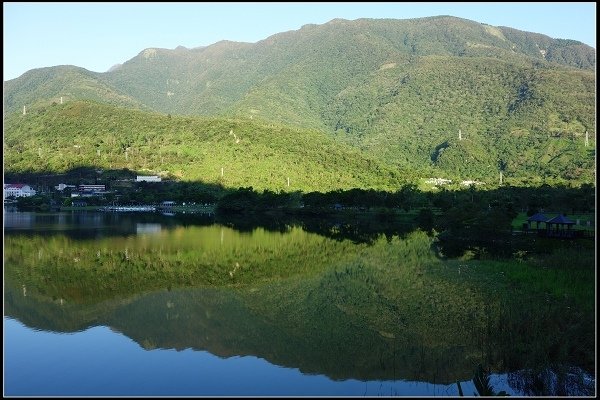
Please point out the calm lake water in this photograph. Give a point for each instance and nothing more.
(139, 305)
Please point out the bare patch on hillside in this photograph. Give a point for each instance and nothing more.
(494, 32)
(387, 66)
(149, 53)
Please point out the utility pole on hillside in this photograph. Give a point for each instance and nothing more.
(221, 171)
(288, 179)
(501, 177)
(24, 110)
(60, 99)
(459, 135)
(587, 139)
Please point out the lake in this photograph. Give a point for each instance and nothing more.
(125, 304)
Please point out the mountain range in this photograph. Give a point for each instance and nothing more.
(437, 96)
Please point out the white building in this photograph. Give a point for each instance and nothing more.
(89, 191)
(471, 182)
(92, 188)
(17, 190)
(438, 181)
(151, 178)
(62, 186)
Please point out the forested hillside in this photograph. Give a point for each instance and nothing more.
(45, 86)
(438, 95)
(228, 152)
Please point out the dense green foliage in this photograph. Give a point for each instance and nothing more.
(226, 152)
(562, 51)
(61, 138)
(398, 90)
(524, 120)
(45, 86)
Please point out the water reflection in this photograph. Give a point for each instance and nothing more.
(383, 309)
(144, 228)
(91, 225)
(18, 220)
(134, 371)
(86, 225)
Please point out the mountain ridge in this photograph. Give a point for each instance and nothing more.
(397, 90)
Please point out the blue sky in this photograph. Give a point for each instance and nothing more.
(97, 36)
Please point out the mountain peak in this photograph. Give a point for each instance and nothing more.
(401, 90)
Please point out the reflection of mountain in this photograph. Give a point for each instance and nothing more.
(227, 324)
(321, 305)
(389, 310)
(55, 314)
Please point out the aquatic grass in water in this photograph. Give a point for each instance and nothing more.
(568, 275)
(537, 314)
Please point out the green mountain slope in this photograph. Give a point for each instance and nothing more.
(245, 152)
(562, 51)
(411, 113)
(44, 86)
(397, 90)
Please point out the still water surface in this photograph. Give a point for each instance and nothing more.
(102, 362)
(141, 305)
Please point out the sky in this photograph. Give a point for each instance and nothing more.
(96, 36)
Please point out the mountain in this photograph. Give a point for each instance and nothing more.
(44, 86)
(397, 90)
(228, 152)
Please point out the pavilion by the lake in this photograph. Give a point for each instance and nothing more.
(559, 226)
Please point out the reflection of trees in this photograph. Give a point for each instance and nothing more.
(94, 225)
(365, 230)
(352, 317)
(111, 267)
(248, 223)
(386, 309)
(338, 227)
